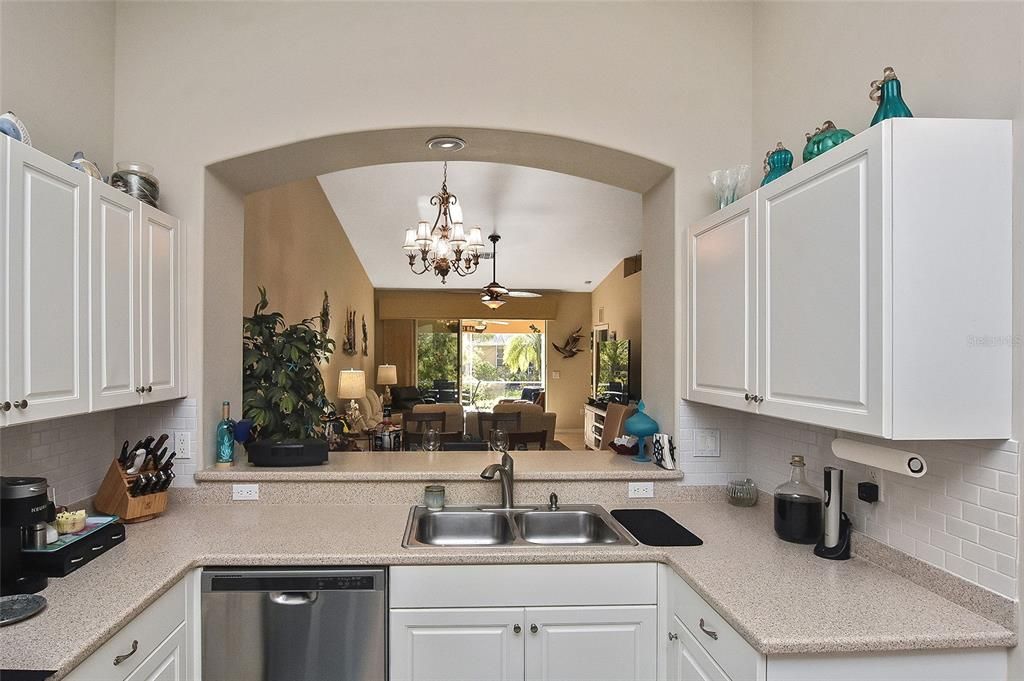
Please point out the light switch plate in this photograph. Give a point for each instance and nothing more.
(641, 490)
(245, 492)
(556, 374)
(707, 442)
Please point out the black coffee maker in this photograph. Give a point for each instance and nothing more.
(24, 510)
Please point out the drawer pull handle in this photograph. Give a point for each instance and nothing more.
(98, 548)
(77, 560)
(672, 636)
(709, 632)
(517, 629)
(116, 536)
(534, 629)
(121, 658)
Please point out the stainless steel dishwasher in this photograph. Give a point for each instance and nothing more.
(295, 624)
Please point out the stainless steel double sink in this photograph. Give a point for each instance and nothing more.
(587, 524)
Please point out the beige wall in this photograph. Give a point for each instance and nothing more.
(617, 302)
(57, 75)
(296, 248)
(240, 78)
(564, 313)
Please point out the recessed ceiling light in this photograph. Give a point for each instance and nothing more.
(589, 281)
(446, 143)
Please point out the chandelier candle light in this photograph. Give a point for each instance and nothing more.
(443, 248)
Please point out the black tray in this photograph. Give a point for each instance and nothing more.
(654, 528)
(70, 557)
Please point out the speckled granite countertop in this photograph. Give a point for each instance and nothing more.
(779, 596)
(368, 466)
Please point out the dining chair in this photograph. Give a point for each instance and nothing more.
(487, 421)
(524, 440)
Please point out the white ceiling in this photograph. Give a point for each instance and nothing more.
(557, 231)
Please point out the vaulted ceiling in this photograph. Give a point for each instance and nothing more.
(559, 232)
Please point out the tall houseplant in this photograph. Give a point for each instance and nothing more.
(282, 388)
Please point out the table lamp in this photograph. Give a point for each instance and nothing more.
(352, 386)
(387, 376)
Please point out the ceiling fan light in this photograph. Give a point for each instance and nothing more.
(492, 302)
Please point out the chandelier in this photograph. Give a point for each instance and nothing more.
(443, 248)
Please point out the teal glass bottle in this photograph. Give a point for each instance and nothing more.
(225, 436)
(888, 93)
(777, 162)
(641, 426)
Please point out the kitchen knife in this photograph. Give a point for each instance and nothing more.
(122, 458)
(129, 464)
(168, 463)
(158, 459)
(169, 476)
(160, 442)
(136, 486)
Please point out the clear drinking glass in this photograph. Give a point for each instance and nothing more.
(499, 440)
(431, 440)
(433, 497)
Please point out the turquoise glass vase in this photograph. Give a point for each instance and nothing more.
(777, 163)
(888, 93)
(641, 426)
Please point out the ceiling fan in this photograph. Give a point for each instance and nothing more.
(480, 325)
(494, 294)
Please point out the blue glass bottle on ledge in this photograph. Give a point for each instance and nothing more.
(887, 93)
(225, 437)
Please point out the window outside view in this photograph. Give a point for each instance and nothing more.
(498, 360)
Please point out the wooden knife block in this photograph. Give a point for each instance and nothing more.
(113, 498)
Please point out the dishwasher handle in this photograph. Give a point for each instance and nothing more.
(293, 597)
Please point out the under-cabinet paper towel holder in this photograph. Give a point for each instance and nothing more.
(886, 458)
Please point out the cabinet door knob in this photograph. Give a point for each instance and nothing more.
(518, 629)
(759, 398)
(672, 636)
(149, 388)
(121, 658)
(5, 406)
(21, 405)
(139, 389)
(747, 396)
(713, 634)
(533, 629)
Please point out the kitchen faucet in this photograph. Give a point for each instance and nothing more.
(507, 475)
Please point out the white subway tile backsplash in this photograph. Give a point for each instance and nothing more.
(73, 453)
(961, 516)
(999, 501)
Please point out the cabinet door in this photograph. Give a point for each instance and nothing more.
(591, 643)
(820, 239)
(457, 644)
(722, 348)
(47, 261)
(115, 249)
(168, 662)
(687, 660)
(5, 285)
(161, 303)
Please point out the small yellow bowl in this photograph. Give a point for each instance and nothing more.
(70, 521)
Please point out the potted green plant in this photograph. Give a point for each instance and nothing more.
(282, 389)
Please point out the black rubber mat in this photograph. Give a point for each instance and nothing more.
(655, 528)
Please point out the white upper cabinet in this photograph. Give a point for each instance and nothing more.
(116, 278)
(47, 284)
(161, 306)
(723, 307)
(820, 290)
(91, 293)
(883, 287)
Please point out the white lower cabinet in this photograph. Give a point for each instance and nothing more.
(509, 634)
(158, 645)
(687, 660)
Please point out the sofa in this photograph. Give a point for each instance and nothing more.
(533, 417)
(404, 398)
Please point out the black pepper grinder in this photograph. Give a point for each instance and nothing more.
(835, 540)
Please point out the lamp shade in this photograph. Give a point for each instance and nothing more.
(351, 384)
(387, 374)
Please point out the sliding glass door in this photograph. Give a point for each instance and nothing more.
(501, 359)
(437, 359)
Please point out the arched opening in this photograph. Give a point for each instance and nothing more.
(215, 353)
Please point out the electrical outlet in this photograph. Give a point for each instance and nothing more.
(181, 444)
(707, 444)
(641, 490)
(875, 476)
(556, 374)
(245, 492)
